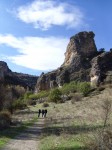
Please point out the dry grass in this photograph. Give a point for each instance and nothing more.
(21, 116)
(75, 121)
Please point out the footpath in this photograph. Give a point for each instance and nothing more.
(28, 139)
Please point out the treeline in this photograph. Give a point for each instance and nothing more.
(8, 96)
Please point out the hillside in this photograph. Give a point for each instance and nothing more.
(13, 78)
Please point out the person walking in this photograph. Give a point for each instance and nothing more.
(45, 112)
(39, 112)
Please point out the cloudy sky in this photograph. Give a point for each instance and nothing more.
(34, 33)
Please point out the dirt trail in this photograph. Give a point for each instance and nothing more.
(28, 140)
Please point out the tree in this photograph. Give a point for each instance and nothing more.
(55, 95)
(84, 88)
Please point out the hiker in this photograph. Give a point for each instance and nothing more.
(39, 112)
(45, 112)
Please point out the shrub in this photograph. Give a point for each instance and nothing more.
(27, 94)
(107, 105)
(103, 137)
(5, 119)
(2, 96)
(55, 95)
(31, 102)
(43, 94)
(39, 95)
(100, 88)
(84, 88)
(67, 88)
(19, 104)
(101, 141)
(33, 96)
(45, 104)
(76, 98)
(17, 91)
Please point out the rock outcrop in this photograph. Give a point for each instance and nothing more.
(3, 70)
(12, 78)
(82, 44)
(101, 69)
(82, 63)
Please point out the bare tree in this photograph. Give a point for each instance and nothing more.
(107, 110)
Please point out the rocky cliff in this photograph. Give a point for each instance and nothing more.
(82, 44)
(83, 62)
(101, 68)
(12, 78)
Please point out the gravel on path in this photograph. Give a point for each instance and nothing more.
(28, 140)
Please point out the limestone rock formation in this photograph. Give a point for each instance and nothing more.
(12, 78)
(82, 63)
(101, 68)
(81, 44)
(80, 50)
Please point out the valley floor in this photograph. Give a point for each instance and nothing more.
(68, 126)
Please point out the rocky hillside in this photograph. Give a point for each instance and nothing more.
(12, 78)
(83, 62)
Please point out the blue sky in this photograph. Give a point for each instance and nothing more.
(34, 33)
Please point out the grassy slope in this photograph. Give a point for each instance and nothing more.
(69, 126)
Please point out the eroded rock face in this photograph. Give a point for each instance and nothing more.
(101, 67)
(3, 70)
(82, 63)
(81, 44)
(76, 66)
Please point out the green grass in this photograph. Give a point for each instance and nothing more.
(7, 134)
(60, 143)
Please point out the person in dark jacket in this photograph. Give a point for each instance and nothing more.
(45, 112)
(39, 112)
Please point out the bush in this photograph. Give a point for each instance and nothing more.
(76, 98)
(33, 96)
(17, 91)
(5, 119)
(67, 88)
(31, 102)
(27, 94)
(19, 104)
(100, 88)
(43, 94)
(55, 95)
(45, 104)
(102, 141)
(103, 137)
(39, 95)
(84, 88)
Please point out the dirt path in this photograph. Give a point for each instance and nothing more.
(28, 140)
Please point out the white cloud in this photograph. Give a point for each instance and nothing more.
(46, 13)
(36, 52)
